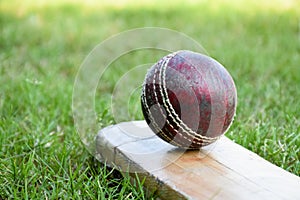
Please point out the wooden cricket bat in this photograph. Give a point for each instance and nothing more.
(222, 170)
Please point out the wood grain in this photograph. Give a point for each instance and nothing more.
(223, 170)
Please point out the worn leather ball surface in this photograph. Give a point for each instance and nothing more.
(188, 99)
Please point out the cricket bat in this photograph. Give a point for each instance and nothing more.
(222, 170)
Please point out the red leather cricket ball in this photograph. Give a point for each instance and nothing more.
(188, 99)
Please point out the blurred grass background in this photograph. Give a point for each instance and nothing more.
(42, 45)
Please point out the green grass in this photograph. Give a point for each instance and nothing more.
(42, 46)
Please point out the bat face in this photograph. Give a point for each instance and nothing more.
(188, 99)
(223, 170)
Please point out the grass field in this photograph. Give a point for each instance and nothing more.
(43, 44)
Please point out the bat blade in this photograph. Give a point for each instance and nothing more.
(222, 170)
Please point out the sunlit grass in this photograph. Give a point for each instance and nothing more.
(42, 45)
(218, 4)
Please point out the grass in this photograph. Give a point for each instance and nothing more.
(43, 44)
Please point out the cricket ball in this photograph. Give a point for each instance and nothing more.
(188, 99)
